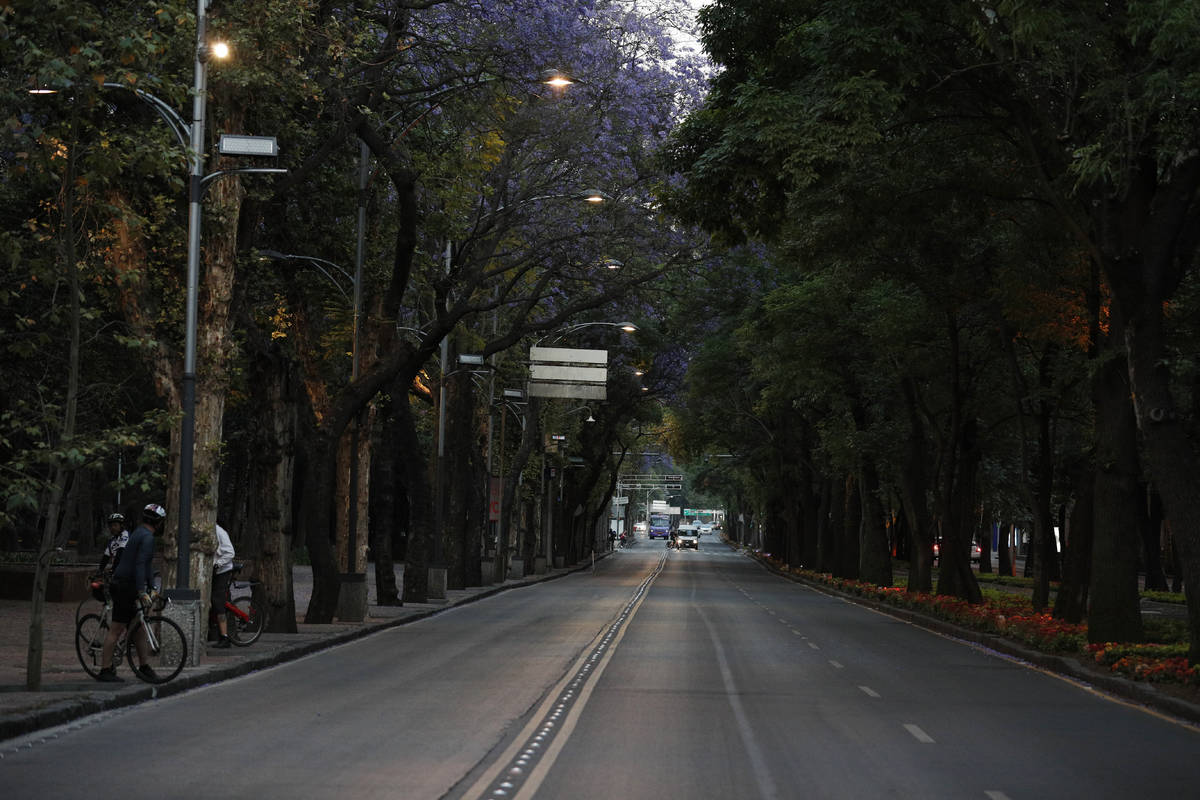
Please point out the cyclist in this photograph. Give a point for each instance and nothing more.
(120, 537)
(222, 574)
(132, 584)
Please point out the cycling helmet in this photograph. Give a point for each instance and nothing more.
(118, 517)
(154, 513)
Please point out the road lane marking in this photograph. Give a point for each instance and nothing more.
(918, 734)
(519, 772)
(995, 795)
(836, 664)
(869, 692)
(814, 645)
(762, 774)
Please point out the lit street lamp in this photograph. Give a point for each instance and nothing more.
(196, 185)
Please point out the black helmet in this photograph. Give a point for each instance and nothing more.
(118, 517)
(154, 513)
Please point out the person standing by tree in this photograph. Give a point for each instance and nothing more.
(132, 584)
(222, 575)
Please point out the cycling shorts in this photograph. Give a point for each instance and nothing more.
(124, 597)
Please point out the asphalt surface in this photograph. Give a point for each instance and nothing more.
(658, 674)
(68, 693)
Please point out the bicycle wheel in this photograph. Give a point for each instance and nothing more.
(82, 609)
(167, 650)
(89, 639)
(246, 624)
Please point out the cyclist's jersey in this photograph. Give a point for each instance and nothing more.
(135, 563)
(112, 553)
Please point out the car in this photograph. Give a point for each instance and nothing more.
(639, 527)
(687, 539)
(976, 552)
(705, 527)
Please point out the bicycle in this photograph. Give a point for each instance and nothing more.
(245, 617)
(164, 640)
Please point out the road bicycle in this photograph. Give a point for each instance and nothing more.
(245, 616)
(165, 642)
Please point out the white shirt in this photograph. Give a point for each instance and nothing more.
(223, 558)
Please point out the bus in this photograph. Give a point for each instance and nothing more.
(660, 525)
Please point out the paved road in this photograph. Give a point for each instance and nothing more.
(661, 675)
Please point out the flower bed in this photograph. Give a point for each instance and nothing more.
(1012, 616)
(1160, 663)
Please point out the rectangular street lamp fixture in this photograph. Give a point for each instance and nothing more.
(473, 360)
(238, 145)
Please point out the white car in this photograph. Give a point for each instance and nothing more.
(687, 539)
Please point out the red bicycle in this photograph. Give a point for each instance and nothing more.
(246, 615)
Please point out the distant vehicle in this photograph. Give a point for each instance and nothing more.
(687, 539)
(639, 527)
(660, 526)
(976, 552)
(705, 527)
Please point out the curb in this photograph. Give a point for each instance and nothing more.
(1135, 691)
(65, 711)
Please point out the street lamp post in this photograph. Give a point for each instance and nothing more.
(187, 435)
(197, 181)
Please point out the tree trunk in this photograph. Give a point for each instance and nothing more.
(386, 511)
(1150, 524)
(955, 577)
(268, 513)
(833, 503)
(62, 474)
(357, 436)
(914, 488)
(986, 529)
(874, 557)
(1115, 613)
(960, 463)
(1005, 551)
(508, 543)
(214, 352)
(848, 536)
(1172, 464)
(1072, 601)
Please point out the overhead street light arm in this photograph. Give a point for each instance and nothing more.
(209, 178)
(628, 327)
(319, 264)
(169, 115)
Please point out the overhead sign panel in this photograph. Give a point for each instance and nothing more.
(568, 372)
(568, 355)
(546, 372)
(568, 390)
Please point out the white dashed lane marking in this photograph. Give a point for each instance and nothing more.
(918, 734)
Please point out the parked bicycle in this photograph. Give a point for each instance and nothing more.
(165, 642)
(246, 615)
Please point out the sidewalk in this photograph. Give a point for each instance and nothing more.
(68, 693)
